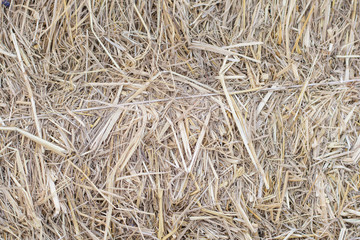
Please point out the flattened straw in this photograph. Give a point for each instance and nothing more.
(306, 83)
(48, 145)
(242, 129)
(102, 45)
(54, 194)
(303, 28)
(242, 45)
(7, 53)
(119, 166)
(27, 84)
(242, 213)
(199, 142)
(2, 122)
(160, 216)
(282, 196)
(356, 149)
(348, 56)
(216, 49)
(177, 143)
(147, 32)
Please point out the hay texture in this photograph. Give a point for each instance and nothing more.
(234, 119)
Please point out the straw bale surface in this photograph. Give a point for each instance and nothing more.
(180, 119)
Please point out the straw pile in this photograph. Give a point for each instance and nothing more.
(179, 119)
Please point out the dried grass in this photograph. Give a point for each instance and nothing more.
(180, 119)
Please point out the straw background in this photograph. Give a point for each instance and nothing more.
(234, 119)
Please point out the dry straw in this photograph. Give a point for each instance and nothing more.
(181, 119)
